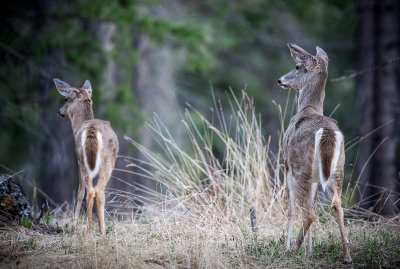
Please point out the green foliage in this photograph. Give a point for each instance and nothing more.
(144, 220)
(47, 219)
(380, 249)
(30, 243)
(232, 45)
(110, 227)
(26, 223)
(64, 41)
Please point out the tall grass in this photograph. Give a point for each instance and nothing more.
(199, 214)
(199, 181)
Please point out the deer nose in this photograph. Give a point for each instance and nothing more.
(279, 81)
(60, 114)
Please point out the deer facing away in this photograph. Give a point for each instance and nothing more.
(313, 146)
(96, 146)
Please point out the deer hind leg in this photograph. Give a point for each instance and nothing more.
(100, 208)
(337, 206)
(104, 176)
(89, 200)
(292, 209)
(311, 201)
(100, 202)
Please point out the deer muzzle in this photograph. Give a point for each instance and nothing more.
(60, 114)
(282, 84)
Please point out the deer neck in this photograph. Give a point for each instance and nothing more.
(313, 94)
(85, 113)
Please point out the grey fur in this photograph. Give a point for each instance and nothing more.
(299, 150)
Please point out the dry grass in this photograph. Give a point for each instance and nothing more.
(209, 243)
(201, 219)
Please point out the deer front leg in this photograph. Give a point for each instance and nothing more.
(313, 195)
(308, 219)
(291, 209)
(79, 199)
(309, 238)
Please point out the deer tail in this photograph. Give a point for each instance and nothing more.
(91, 145)
(328, 144)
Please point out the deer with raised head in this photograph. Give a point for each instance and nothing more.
(313, 146)
(96, 146)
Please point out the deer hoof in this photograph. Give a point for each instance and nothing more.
(348, 261)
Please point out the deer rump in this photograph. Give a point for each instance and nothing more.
(91, 145)
(314, 145)
(328, 144)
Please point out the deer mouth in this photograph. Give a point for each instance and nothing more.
(282, 84)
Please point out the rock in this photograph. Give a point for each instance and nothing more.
(13, 201)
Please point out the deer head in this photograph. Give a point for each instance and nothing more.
(308, 68)
(75, 98)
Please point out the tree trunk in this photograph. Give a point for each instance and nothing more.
(58, 172)
(363, 97)
(375, 100)
(154, 89)
(385, 96)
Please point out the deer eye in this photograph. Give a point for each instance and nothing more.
(297, 67)
(66, 99)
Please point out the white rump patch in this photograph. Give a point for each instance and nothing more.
(335, 159)
(95, 171)
(317, 166)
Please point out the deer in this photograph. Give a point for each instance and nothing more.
(96, 147)
(313, 146)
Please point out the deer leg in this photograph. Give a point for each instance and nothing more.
(102, 205)
(313, 195)
(100, 208)
(79, 199)
(337, 206)
(309, 238)
(308, 219)
(89, 200)
(104, 176)
(291, 209)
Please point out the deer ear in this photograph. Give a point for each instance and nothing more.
(87, 86)
(321, 53)
(300, 55)
(64, 88)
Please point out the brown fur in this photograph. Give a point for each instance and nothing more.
(326, 150)
(91, 146)
(78, 107)
(299, 145)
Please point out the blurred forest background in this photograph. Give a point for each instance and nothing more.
(155, 56)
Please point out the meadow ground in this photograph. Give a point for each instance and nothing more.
(206, 242)
(200, 217)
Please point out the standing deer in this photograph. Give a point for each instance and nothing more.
(96, 146)
(313, 146)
